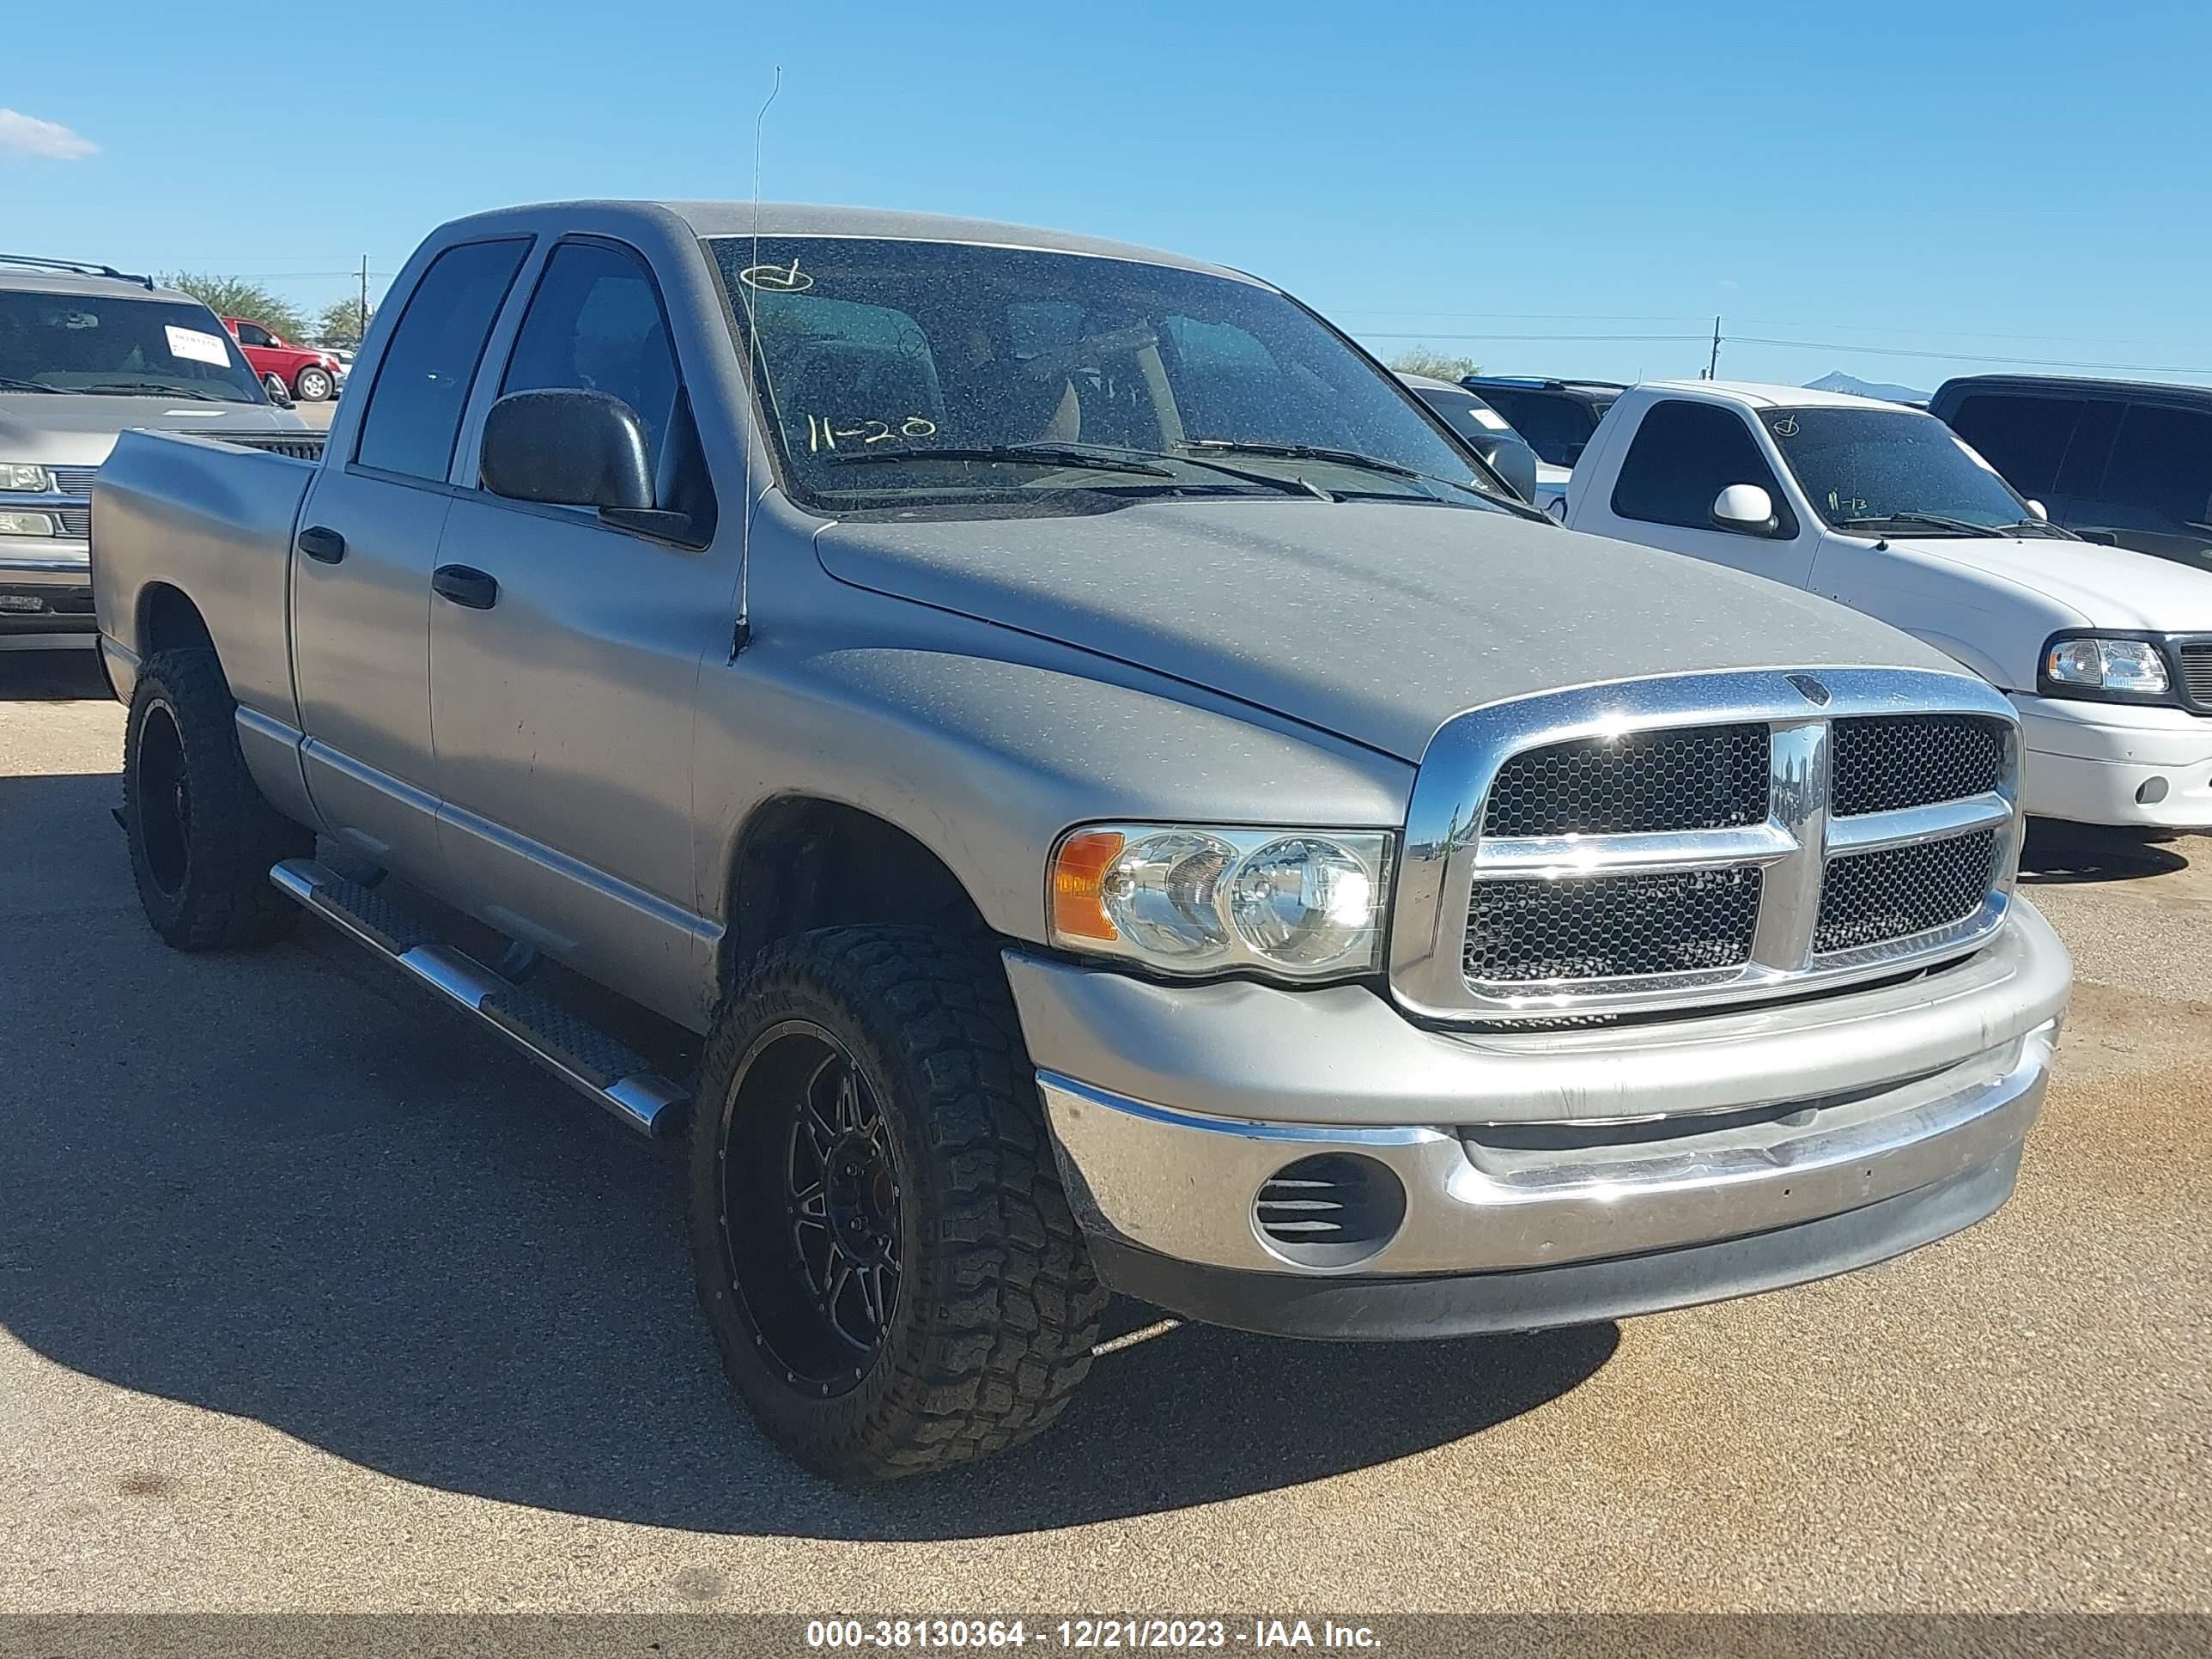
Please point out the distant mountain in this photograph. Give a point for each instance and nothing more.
(1840, 381)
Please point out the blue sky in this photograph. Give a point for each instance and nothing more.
(2026, 180)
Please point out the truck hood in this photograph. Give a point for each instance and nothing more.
(1374, 621)
(74, 430)
(2103, 586)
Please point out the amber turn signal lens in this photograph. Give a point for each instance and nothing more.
(1079, 877)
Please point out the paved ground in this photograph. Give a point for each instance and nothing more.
(310, 1297)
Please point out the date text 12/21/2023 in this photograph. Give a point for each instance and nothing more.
(1125, 1634)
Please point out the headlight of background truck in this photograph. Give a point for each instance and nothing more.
(25, 478)
(2116, 668)
(1194, 900)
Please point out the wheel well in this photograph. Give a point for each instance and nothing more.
(803, 863)
(168, 621)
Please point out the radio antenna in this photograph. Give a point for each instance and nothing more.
(744, 633)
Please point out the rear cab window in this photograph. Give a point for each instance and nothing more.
(414, 412)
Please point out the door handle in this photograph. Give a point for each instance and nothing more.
(322, 544)
(465, 585)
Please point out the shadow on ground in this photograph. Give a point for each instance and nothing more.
(51, 676)
(2059, 853)
(278, 1186)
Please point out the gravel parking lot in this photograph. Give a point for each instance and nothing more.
(312, 1297)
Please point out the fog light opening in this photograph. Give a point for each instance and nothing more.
(1330, 1211)
(2150, 791)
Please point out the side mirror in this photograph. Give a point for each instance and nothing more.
(2037, 510)
(1746, 509)
(567, 447)
(279, 393)
(1516, 463)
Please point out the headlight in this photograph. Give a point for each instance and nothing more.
(1194, 900)
(26, 524)
(23, 478)
(2095, 666)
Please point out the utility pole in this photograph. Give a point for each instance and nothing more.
(1713, 362)
(364, 300)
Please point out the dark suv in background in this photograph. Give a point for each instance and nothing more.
(2120, 461)
(1556, 416)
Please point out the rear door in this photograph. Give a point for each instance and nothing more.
(562, 678)
(367, 540)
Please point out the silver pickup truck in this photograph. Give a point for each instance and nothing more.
(87, 352)
(1128, 801)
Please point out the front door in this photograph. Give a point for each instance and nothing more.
(1682, 455)
(564, 660)
(368, 539)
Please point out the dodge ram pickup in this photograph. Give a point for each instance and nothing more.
(2106, 654)
(1125, 802)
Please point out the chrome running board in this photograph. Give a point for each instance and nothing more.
(577, 1052)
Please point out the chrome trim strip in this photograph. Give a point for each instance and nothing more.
(1444, 854)
(1518, 858)
(1871, 831)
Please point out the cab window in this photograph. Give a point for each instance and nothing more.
(1682, 457)
(596, 323)
(414, 413)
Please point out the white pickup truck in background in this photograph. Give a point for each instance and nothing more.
(2106, 653)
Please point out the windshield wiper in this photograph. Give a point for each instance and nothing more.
(1936, 521)
(1350, 458)
(193, 392)
(1036, 454)
(2045, 527)
(10, 383)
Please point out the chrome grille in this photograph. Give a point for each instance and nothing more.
(1672, 843)
(1598, 927)
(1873, 898)
(1710, 777)
(1894, 761)
(73, 521)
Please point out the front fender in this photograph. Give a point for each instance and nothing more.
(986, 761)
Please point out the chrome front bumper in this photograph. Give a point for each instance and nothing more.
(1794, 1142)
(1184, 1185)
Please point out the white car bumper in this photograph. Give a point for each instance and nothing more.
(2116, 763)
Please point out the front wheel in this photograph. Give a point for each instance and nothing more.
(883, 1248)
(314, 385)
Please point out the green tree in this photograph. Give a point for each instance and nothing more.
(1427, 360)
(344, 323)
(234, 296)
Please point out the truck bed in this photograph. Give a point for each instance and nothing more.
(211, 518)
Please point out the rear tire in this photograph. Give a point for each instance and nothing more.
(883, 1248)
(202, 835)
(314, 386)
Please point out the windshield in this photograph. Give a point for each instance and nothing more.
(1863, 468)
(939, 364)
(110, 345)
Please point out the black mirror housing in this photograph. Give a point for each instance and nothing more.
(567, 447)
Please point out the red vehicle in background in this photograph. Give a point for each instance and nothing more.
(309, 374)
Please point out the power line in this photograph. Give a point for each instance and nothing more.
(1369, 334)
